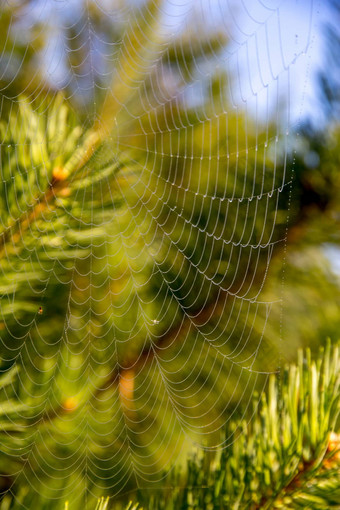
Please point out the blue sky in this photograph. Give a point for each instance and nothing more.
(265, 38)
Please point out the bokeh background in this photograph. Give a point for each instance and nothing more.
(170, 227)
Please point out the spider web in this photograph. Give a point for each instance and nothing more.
(141, 210)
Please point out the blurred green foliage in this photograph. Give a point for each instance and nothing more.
(287, 456)
(141, 261)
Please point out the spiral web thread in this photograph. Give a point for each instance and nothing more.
(134, 268)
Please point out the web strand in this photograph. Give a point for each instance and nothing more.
(146, 170)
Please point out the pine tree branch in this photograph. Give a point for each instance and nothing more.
(283, 456)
